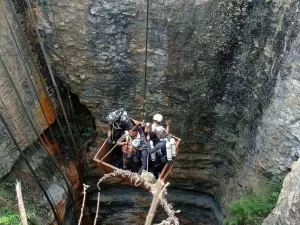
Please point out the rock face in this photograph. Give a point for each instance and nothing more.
(130, 205)
(287, 208)
(285, 108)
(226, 72)
(277, 140)
(16, 63)
(213, 67)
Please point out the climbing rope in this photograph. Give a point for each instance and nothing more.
(145, 64)
(145, 79)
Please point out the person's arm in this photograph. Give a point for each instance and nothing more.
(136, 122)
(121, 143)
(109, 130)
(155, 149)
(123, 139)
(147, 127)
(168, 122)
(142, 134)
(109, 133)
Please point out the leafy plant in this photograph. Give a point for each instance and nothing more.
(80, 131)
(253, 207)
(8, 216)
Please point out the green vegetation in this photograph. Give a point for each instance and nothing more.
(8, 216)
(81, 128)
(252, 208)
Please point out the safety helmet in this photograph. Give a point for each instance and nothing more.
(160, 130)
(158, 117)
(124, 115)
(136, 143)
(119, 114)
(112, 117)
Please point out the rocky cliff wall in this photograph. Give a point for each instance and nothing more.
(18, 72)
(213, 68)
(281, 139)
(277, 139)
(287, 208)
(220, 69)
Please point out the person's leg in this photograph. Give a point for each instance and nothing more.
(124, 162)
(143, 153)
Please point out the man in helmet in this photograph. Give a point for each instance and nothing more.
(163, 143)
(119, 122)
(134, 145)
(140, 147)
(150, 128)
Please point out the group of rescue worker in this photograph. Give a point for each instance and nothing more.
(139, 140)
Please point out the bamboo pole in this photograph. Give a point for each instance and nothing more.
(155, 200)
(21, 204)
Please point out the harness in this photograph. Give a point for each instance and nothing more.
(127, 150)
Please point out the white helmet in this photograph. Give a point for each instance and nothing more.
(158, 117)
(124, 115)
(112, 117)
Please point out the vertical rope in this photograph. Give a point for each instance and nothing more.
(146, 57)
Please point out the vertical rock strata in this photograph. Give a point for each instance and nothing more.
(12, 65)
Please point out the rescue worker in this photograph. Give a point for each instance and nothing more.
(129, 147)
(140, 147)
(150, 128)
(165, 144)
(119, 122)
(151, 135)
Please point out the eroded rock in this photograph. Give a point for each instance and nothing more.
(288, 206)
(18, 67)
